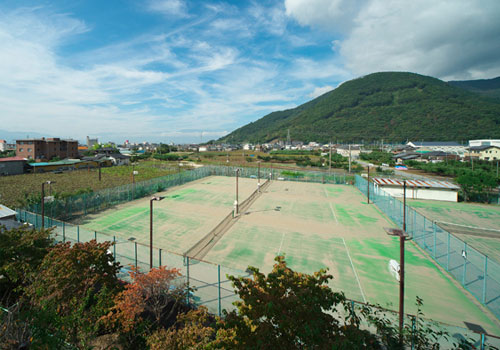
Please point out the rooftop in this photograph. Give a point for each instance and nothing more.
(415, 183)
(12, 159)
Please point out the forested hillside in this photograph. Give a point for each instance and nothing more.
(393, 106)
(486, 87)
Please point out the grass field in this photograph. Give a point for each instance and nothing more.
(469, 215)
(314, 225)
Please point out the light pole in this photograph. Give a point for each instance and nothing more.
(43, 201)
(403, 236)
(236, 201)
(258, 178)
(155, 198)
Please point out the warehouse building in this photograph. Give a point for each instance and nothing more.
(418, 189)
(12, 165)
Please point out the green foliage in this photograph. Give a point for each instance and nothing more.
(22, 251)
(54, 159)
(378, 157)
(296, 152)
(169, 156)
(394, 106)
(286, 310)
(75, 285)
(476, 186)
(6, 154)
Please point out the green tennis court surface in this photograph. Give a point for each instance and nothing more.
(476, 224)
(318, 226)
(183, 217)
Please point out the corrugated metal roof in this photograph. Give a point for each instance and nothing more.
(5, 212)
(415, 183)
(60, 162)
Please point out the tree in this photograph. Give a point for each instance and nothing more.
(22, 251)
(192, 330)
(75, 286)
(291, 310)
(476, 184)
(155, 295)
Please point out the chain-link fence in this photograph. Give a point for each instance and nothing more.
(474, 270)
(83, 204)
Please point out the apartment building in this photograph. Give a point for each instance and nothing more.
(46, 149)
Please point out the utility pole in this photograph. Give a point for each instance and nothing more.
(349, 158)
(330, 165)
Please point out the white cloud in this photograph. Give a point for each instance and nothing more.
(318, 91)
(169, 7)
(446, 39)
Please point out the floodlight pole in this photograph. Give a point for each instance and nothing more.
(236, 203)
(258, 178)
(43, 201)
(330, 158)
(43, 205)
(99, 171)
(151, 229)
(402, 264)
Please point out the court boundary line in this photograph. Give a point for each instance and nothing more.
(281, 244)
(354, 270)
(331, 208)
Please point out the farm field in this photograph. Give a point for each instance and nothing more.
(15, 190)
(476, 224)
(313, 225)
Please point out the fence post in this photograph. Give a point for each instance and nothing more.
(95, 235)
(187, 275)
(36, 221)
(485, 276)
(434, 242)
(482, 341)
(78, 233)
(159, 257)
(448, 253)
(413, 328)
(218, 284)
(465, 263)
(135, 250)
(114, 248)
(64, 232)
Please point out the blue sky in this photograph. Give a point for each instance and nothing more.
(175, 70)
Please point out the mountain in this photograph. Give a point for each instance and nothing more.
(486, 87)
(393, 106)
(12, 136)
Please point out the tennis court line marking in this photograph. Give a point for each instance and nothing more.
(354, 269)
(331, 208)
(281, 244)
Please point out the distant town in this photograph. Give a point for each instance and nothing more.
(55, 154)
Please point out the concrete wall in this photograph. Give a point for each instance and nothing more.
(421, 193)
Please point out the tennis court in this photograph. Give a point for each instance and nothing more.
(476, 224)
(183, 217)
(318, 226)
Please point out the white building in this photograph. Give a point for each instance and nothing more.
(417, 189)
(448, 147)
(479, 143)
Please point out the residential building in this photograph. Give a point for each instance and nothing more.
(354, 151)
(4, 146)
(485, 152)
(448, 147)
(12, 165)
(46, 149)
